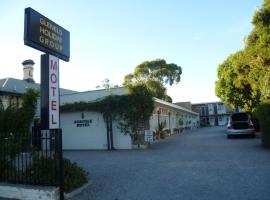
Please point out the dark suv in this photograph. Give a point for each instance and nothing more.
(240, 124)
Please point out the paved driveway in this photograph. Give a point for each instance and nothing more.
(198, 165)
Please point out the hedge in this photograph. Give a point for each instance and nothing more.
(263, 114)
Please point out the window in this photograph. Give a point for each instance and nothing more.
(240, 117)
(11, 101)
(220, 106)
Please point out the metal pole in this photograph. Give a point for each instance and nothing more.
(108, 131)
(44, 92)
(111, 132)
(61, 166)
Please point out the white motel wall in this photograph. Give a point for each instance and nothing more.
(171, 114)
(88, 131)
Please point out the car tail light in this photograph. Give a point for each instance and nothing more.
(230, 126)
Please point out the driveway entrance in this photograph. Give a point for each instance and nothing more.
(198, 165)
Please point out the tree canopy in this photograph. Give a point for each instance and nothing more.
(233, 87)
(155, 75)
(244, 77)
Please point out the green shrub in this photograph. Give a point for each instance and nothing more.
(42, 170)
(45, 170)
(263, 114)
(15, 137)
(74, 176)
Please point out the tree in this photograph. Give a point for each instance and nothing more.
(258, 45)
(106, 84)
(155, 75)
(244, 77)
(234, 83)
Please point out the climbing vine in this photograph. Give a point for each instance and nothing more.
(129, 110)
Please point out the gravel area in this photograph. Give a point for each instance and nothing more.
(198, 165)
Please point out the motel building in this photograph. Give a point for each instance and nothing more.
(85, 130)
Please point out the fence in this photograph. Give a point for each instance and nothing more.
(34, 158)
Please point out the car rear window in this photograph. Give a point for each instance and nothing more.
(239, 117)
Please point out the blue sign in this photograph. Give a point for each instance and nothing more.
(43, 34)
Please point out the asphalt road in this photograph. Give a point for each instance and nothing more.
(198, 165)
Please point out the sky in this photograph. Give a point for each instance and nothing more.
(109, 38)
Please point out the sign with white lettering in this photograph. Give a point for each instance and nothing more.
(53, 92)
(43, 34)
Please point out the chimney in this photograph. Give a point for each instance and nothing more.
(28, 71)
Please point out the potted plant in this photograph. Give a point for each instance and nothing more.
(160, 131)
(181, 123)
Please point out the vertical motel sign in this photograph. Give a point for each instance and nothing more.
(53, 92)
(49, 92)
(45, 35)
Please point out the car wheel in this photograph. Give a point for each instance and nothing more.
(229, 136)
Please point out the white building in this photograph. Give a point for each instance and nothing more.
(212, 113)
(172, 114)
(87, 130)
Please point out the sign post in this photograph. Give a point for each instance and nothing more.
(45, 35)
